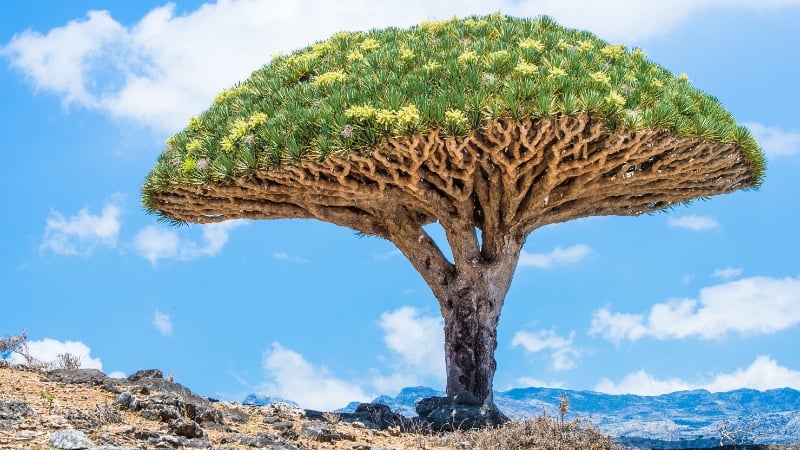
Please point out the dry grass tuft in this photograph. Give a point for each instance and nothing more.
(543, 432)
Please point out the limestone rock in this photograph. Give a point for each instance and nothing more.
(86, 377)
(70, 440)
(319, 432)
(148, 373)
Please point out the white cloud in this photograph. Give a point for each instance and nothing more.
(117, 374)
(47, 350)
(417, 340)
(694, 222)
(387, 256)
(283, 256)
(764, 373)
(563, 354)
(559, 256)
(166, 68)
(155, 242)
(776, 142)
(81, 233)
(727, 273)
(757, 305)
(162, 322)
(294, 378)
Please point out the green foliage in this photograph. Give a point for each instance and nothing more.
(348, 93)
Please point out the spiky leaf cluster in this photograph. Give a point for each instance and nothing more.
(350, 92)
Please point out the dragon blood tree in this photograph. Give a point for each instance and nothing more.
(492, 126)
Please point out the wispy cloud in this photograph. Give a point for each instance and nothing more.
(162, 322)
(777, 143)
(757, 305)
(694, 222)
(727, 273)
(557, 257)
(563, 353)
(762, 374)
(165, 68)
(47, 350)
(283, 256)
(388, 255)
(292, 377)
(81, 233)
(155, 242)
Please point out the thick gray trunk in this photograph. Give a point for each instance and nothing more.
(471, 307)
(470, 335)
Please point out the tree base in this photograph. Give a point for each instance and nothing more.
(452, 413)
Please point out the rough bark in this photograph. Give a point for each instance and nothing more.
(511, 178)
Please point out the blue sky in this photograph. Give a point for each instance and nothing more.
(704, 296)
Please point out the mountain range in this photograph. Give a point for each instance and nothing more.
(678, 420)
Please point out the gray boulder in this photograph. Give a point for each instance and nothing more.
(70, 440)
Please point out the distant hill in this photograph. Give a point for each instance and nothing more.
(677, 420)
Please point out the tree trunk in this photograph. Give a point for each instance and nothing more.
(471, 304)
(470, 335)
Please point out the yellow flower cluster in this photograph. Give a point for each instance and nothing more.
(369, 44)
(468, 57)
(615, 98)
(194, 124)
(188, 164)
(524, 68)
(360, 113)
(193, 146)
(555, 72)
(432, 65)
(532, 44)
(329, 78)
(498, 56)
(321, 48)
(613, 51)
(407, 115)
(387, 118)
(600, 77)
(683, 78)
(242, 128)
(586, 45)
(433, 26)
(638, 53)
(406, 53)
(475, 23)
(354, 56)
(455, 118)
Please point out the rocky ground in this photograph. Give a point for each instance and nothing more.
(76, 409)
(84, 409)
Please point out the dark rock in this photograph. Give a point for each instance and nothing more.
(86, 377)
(142, 374)
(235, 415)
(160, 440)
(70, 440)
(81, 420)
(15, 410)
(444, 414)
(319, 432)
(282, 425)
(124, 400)
(186, 428)
(376, 416)
(261, 440)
